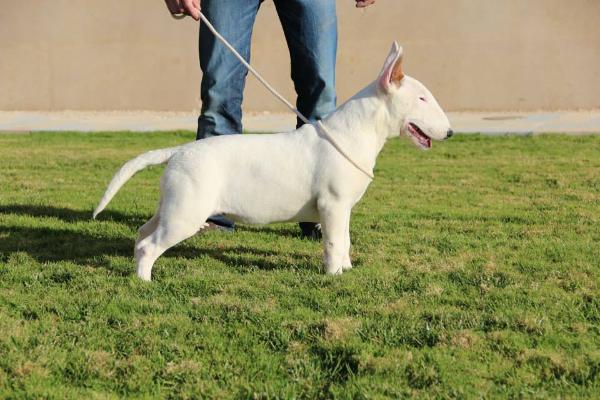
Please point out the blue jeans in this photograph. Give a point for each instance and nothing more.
(310, 28)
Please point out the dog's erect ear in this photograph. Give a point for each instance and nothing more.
(392, 72)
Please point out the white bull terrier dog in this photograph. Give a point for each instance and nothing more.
(294, 176)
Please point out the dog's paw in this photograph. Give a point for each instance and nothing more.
(334, 271)
(347, 267)
(145, 278)
(144, 275)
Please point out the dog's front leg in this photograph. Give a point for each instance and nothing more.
(335, 219)
(346, 262)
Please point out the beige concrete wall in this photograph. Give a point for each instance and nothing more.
(473, 54)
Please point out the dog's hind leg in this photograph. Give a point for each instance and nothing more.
(149, 226)
(165, 236)
(147, 229)
(176, 220)
(334, 221)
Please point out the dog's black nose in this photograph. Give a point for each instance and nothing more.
(449, 133)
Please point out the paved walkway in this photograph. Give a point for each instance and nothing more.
(580, 122)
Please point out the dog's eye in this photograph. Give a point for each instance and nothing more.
(423, 99)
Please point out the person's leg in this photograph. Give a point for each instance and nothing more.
(310, 28)
(223, 76)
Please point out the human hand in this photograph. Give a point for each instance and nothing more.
(187, 7)
(364, 3)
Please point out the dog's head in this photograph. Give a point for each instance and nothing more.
(414, 110)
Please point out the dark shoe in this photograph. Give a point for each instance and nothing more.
(310, 230)
(220, 223)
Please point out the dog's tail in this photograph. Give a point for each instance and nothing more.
(129, 169)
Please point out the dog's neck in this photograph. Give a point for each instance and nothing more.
(362, 125)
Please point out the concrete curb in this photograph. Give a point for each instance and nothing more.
(490, 123)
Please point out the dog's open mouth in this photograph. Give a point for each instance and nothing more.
(418, 136)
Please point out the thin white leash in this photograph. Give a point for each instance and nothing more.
(318, 126)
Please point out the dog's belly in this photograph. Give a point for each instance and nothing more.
(260, 215)
(269, 198)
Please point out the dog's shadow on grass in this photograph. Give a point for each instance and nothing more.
(69, 215)
(87, 247)
(132, 220)
(287, 231)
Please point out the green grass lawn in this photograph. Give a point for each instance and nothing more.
(477, 274)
